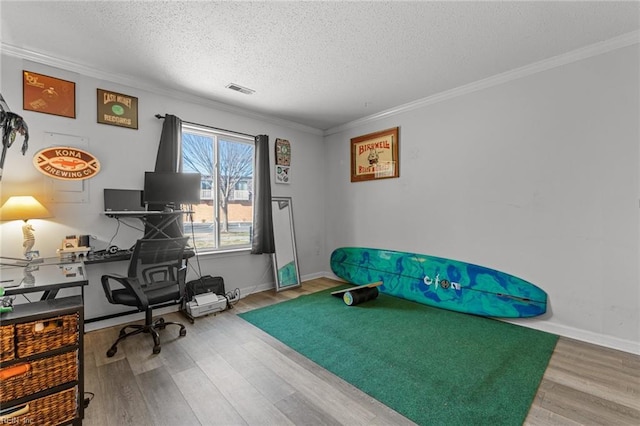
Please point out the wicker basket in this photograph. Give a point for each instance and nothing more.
(7, 343)
(42, 374)
(50, 410)
(41, 336)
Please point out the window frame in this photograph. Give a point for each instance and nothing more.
(218, 136)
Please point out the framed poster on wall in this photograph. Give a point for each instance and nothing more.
(48, 95)
(117, 109)
(375, 156)
(282, 174)
(283, 160)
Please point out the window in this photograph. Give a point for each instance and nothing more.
(224, 218)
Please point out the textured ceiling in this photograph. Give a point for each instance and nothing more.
(321, 64)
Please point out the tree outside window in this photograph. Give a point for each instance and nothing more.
(223, 219)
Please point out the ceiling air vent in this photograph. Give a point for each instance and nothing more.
(239, 88)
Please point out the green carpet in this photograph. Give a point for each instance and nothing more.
(435, 367)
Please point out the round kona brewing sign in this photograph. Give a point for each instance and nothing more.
(66, 163)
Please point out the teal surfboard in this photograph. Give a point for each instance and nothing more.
(443, 283)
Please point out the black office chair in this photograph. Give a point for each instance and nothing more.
(156, 275)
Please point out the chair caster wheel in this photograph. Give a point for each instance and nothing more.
(112, 351)
(156, 349)
(160, 324)
(183, 332)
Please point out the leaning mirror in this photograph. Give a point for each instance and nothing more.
(285, 259)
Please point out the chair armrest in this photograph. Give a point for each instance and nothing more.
(131, 284)
(182, 280)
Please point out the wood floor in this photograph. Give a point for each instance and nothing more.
(227, 372)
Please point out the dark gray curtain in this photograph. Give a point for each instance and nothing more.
(263, 241)
(169, 159)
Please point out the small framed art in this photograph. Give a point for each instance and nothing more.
(375, 156)
(48, 95)
(117, 109)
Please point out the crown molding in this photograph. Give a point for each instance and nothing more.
(596, 49)
(554, 62)
(66, 65)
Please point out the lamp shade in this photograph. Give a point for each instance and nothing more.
(23, 208)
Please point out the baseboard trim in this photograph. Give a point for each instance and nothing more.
(611, 342)
(313, 276)
(121, 319)
(582, 335)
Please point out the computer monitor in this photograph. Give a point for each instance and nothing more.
(123, 200)
(168, 188)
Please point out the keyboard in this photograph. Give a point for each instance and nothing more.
(103, 256)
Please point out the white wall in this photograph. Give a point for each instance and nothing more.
(537, 177)
(125, 154)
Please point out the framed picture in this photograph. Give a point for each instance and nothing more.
(375, 156)
(117, 109)
(283, 152)
(48, 95)
(282, 174)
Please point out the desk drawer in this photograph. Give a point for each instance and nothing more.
(50, 410)
(7, 343)
(28, 378)
(45, 335)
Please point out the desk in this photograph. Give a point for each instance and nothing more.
(155, 221)
(48, 275)
(93, 258)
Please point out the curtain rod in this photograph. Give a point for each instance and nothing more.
(158, 116)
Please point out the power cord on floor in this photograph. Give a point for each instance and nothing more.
(88, 399)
